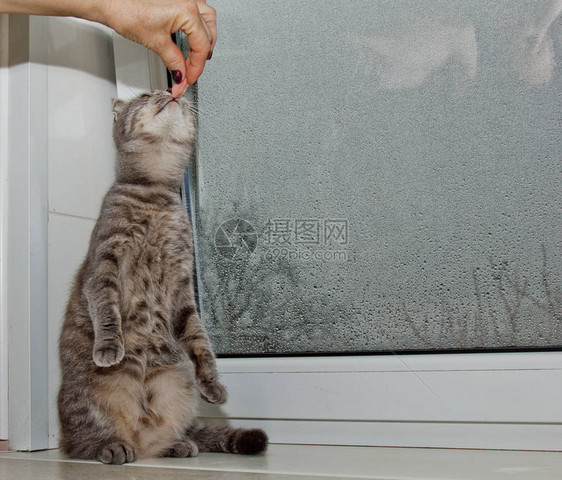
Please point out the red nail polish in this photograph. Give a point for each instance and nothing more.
(176, 76)
(210, 55)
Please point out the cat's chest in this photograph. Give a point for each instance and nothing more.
(164, 233)
(160, 250)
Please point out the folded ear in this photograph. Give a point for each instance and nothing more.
(118, 105)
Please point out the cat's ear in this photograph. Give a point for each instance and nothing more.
(118, 105)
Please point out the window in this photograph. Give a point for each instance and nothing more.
(380, 178)
(406, 121)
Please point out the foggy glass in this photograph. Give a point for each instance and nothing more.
(381, 176)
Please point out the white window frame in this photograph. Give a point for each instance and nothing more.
(24, 231)
(468, 400)
(4, 97)
(476, 400)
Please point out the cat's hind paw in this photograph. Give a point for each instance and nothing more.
(213, 392)
(117, 453)
(107, 354)
(185, 448)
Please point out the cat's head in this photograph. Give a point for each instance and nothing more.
(154, 134)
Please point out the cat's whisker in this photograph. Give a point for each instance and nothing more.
(154, 112)
(205, 117)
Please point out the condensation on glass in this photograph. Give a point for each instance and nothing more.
(381, 176)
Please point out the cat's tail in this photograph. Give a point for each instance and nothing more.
(228, 440)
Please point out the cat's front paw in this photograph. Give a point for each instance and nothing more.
(107, 353)
(213, 392)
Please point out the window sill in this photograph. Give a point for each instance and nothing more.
(301, 461)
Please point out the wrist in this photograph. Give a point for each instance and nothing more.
(94, 10)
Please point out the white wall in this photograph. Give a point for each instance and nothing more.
(81, 78)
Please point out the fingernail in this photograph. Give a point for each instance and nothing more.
(176, 76)
(210, 55)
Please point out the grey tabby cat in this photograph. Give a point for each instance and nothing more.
(132, 349)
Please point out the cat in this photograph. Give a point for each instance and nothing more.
(133, 350)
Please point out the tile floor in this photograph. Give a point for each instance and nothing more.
(299, 462)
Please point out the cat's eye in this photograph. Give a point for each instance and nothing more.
(145, 95)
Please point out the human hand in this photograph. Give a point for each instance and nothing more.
(151, 23)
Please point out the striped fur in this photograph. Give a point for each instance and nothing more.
(133, 350)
